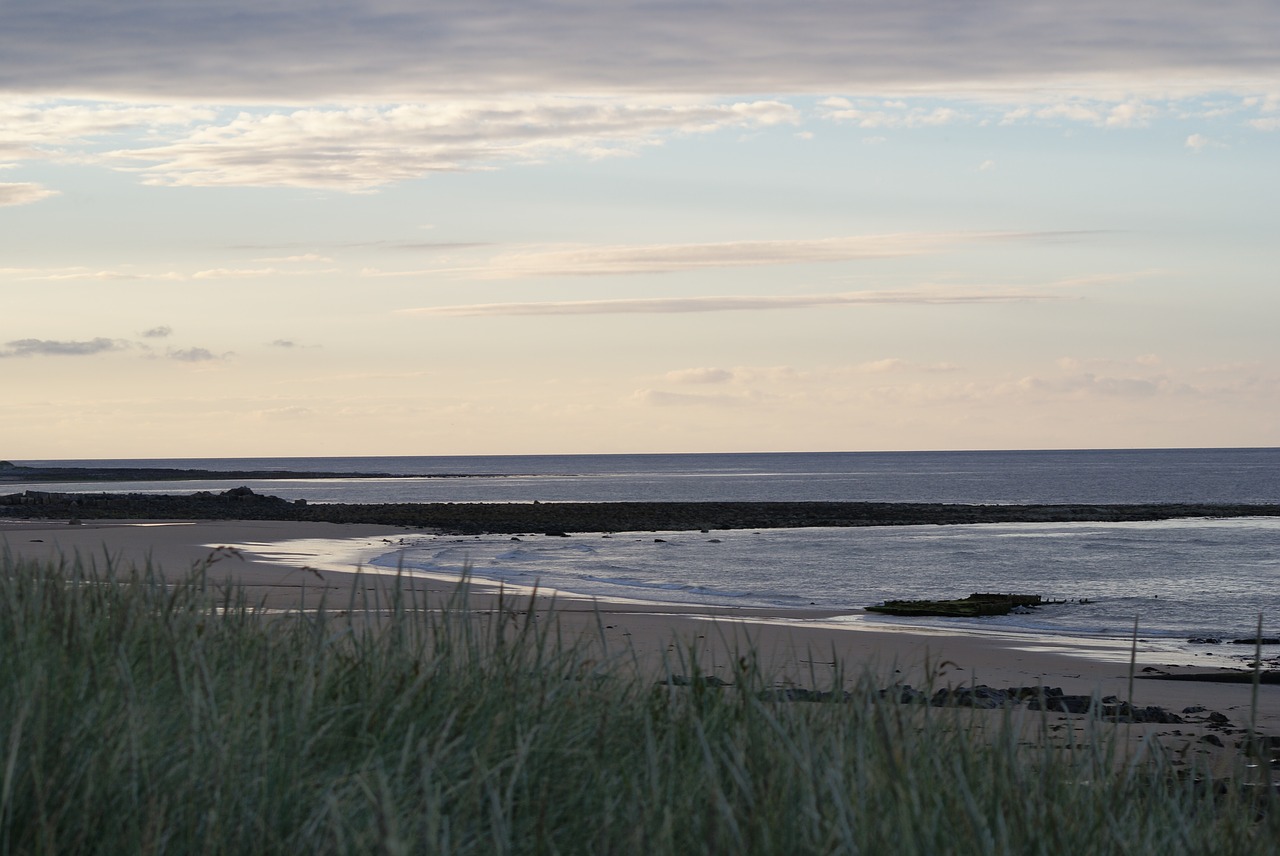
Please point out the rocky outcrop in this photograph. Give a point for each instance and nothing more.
(1049, 699)
(566, 517)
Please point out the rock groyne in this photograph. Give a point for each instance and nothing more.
(564, 517)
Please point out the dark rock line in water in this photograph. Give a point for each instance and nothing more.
(563, 517)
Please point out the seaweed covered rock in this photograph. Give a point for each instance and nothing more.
(978, 604)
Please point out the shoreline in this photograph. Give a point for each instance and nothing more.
(291, 565)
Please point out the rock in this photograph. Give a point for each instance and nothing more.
(1257, 640)
(1195, 708)
(802, 694)
(904, 694)
(1063, 703)
(696, 680)
(1204, 640)
(975, 605)
(1153, 714)
(982, 696)
(1211, 739)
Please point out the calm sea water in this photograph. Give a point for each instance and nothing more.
(1175, 475)
(1179, 578)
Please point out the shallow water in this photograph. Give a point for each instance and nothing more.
(1178, 578)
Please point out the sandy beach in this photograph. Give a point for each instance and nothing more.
(292, 565)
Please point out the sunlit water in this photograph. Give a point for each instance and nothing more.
(1179, 578)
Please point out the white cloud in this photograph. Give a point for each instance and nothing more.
(46, 129)
(901, 116)
(1130, 115)
(727, 303)
(671, 258)
(1099, 110)
(627, 259)
(79, 273)
(235, 273)
(362, 148)
(23, 194)
(1198, 143)
(668, 258)
(298, 259)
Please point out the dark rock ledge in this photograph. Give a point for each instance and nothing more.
(563, 517)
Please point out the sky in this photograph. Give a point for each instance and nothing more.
(274, 227)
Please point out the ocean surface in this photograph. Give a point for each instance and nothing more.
(1179, 579)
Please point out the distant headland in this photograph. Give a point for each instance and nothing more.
(10, 472)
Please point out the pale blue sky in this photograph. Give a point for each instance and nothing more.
(434, 228)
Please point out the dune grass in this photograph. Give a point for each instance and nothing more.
(143, 717)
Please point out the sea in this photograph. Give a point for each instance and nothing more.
(1177, 580)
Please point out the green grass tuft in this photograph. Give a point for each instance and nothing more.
(143, 717)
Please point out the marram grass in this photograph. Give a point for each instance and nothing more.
(144, 717)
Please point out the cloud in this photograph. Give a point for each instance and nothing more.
(673, 258)
(23, 194)
(895, 115)
(699, 375)
(662, 398)
(52, 348)
(726, 303)
(1198, 143)
(284, 343)
(384, 50)
(1108, 364)
(1100, 111)
(192, 355)
(298, 259)
(74, 131)
(81, 273)
(77, 273)
(236, 273)
(1088, 383)
(1131, 114)
(160, 332)
(893, 364)
(362, 148)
